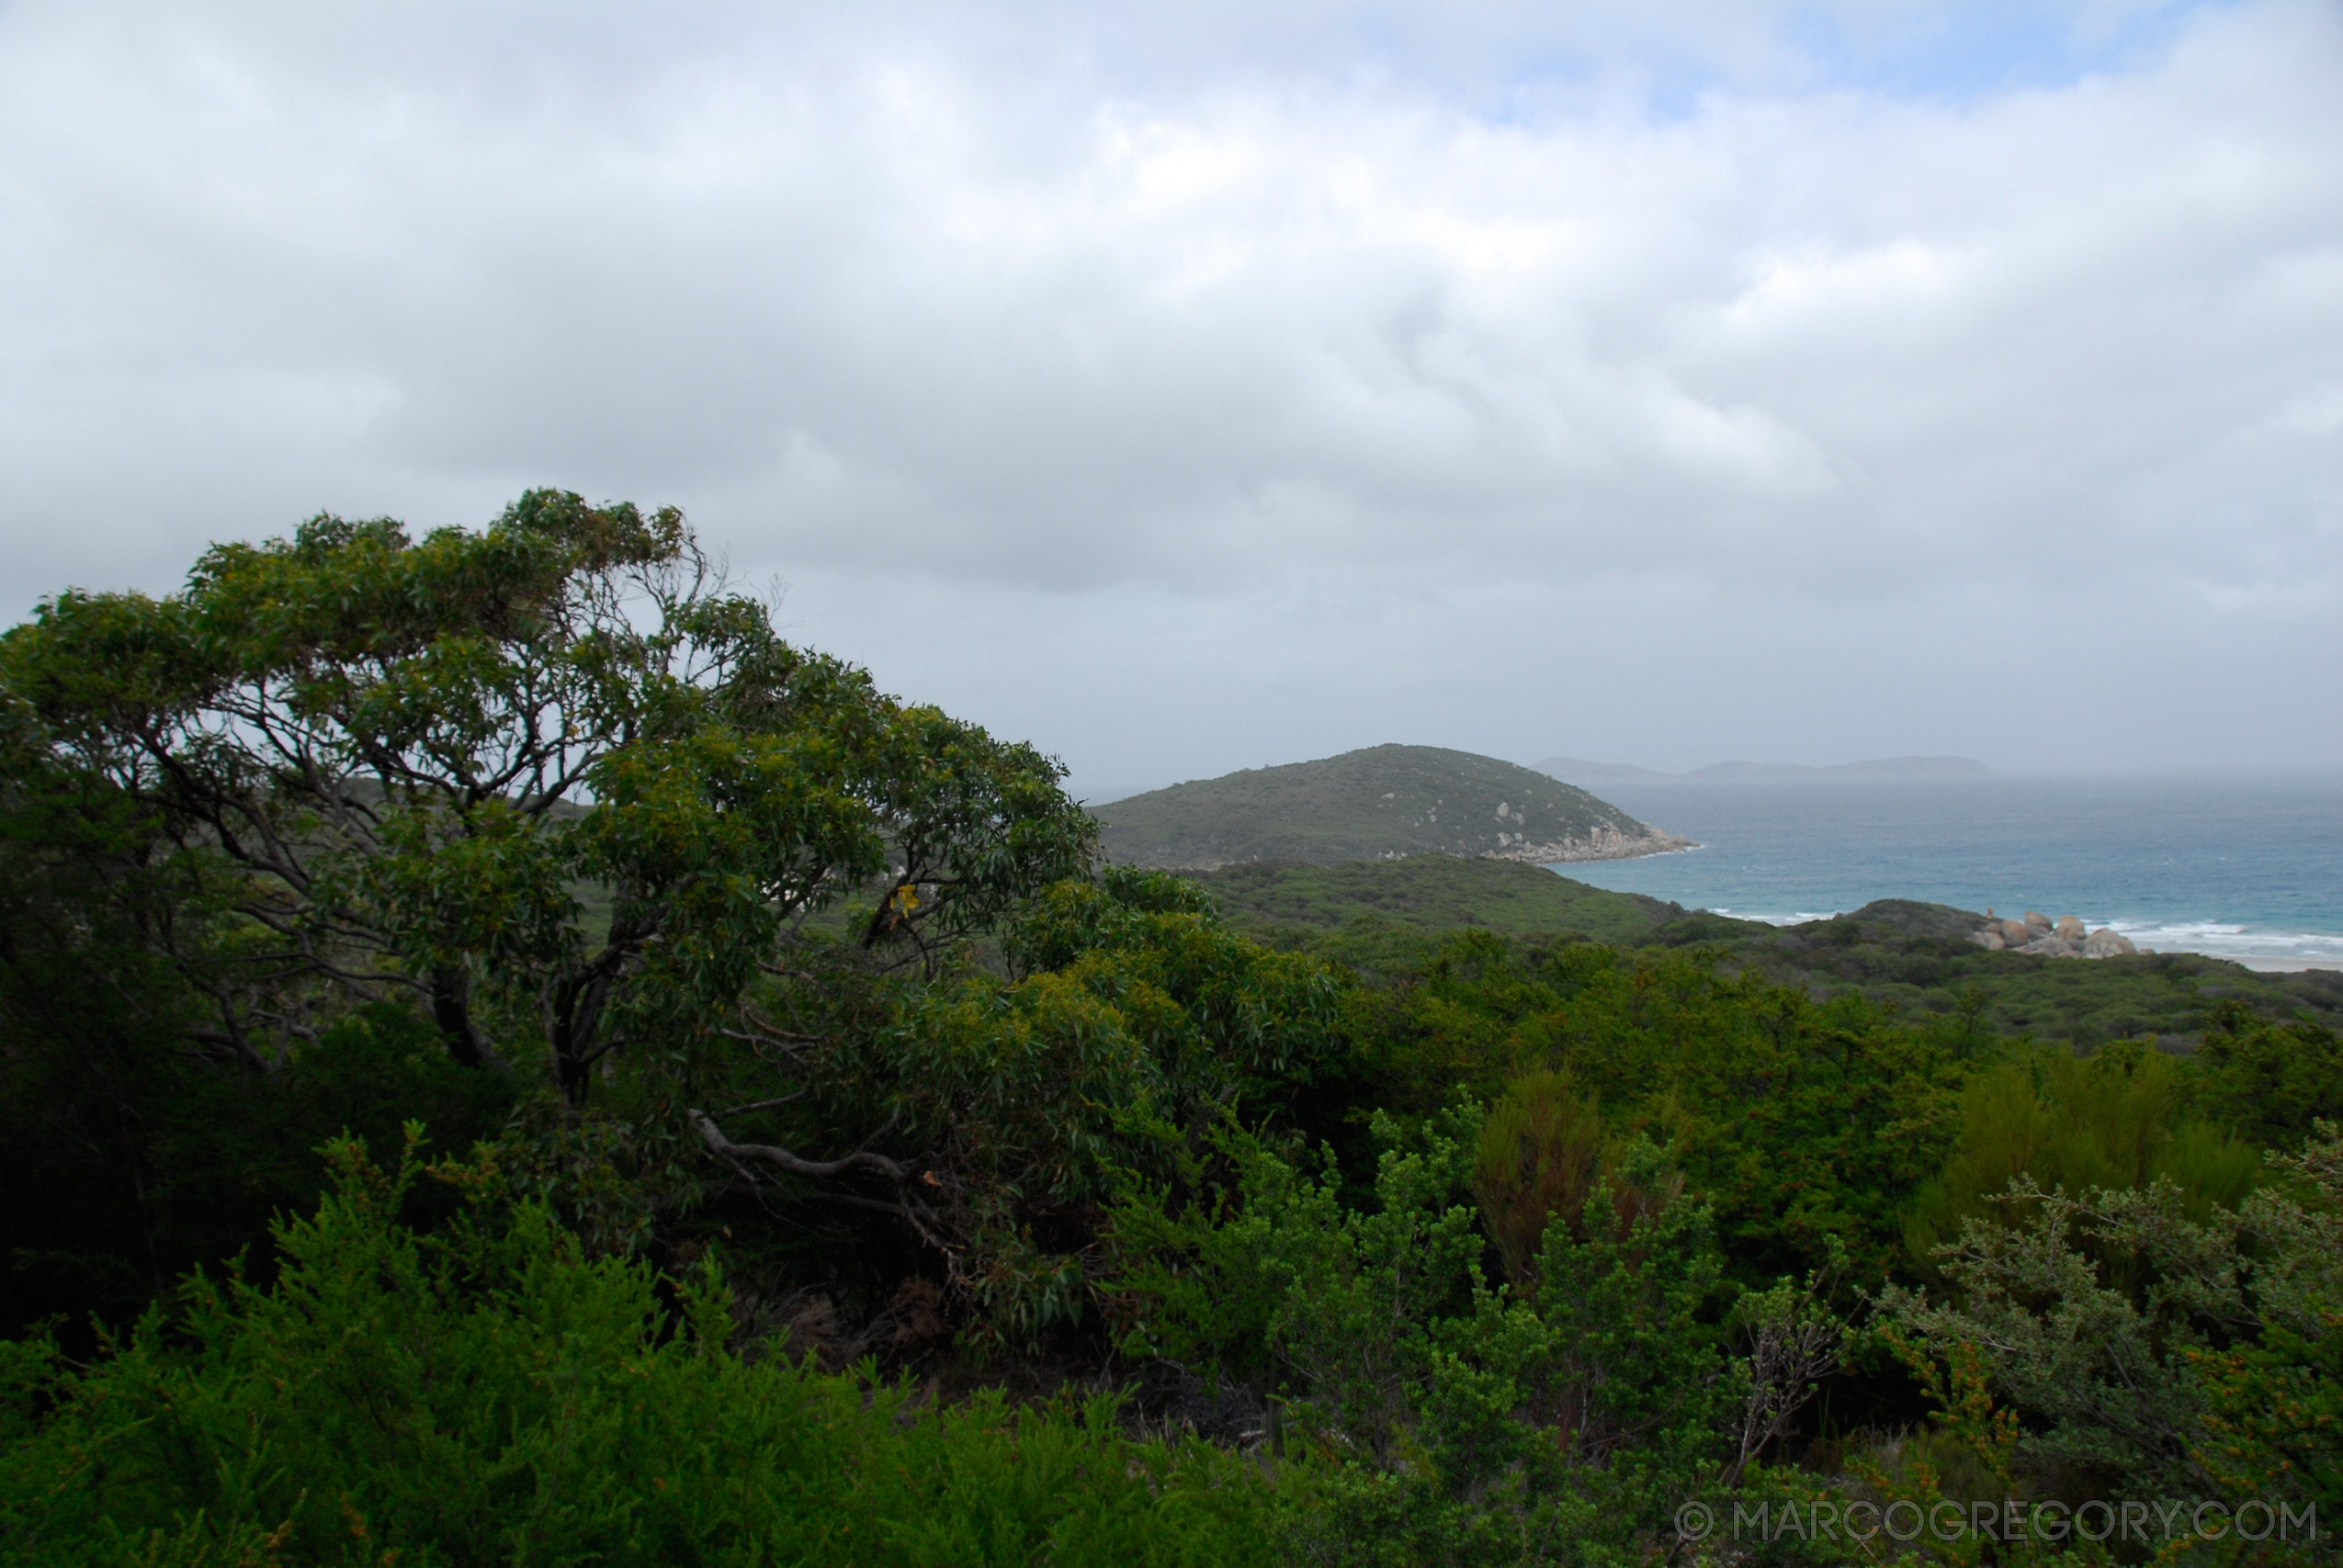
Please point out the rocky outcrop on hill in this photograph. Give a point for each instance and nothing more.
(2065, 936)
(1601, 842)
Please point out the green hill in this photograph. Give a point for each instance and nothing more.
(1381, 802)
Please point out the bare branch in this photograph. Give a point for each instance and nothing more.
(774, 1155)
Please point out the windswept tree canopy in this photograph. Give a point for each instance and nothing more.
(552, 779)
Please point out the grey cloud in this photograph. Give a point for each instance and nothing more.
(1295, 332)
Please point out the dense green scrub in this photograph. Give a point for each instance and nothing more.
(844, 1166)
(1290, 903)
(491, 1393)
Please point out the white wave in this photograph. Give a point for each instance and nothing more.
(2239, 942)
(1798, 917)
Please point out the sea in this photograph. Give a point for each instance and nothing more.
(2248, 868)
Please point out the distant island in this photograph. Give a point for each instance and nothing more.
(1580, 771)
(1381, 802)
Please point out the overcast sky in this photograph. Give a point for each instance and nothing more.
(1191, 386)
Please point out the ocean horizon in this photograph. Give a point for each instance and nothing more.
(2246, 866)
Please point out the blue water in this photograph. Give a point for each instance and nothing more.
(2245, 868)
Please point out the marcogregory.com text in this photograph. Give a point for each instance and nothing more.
(2127, 1519)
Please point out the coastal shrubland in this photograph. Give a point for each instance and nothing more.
(2181, 999)
(504, 1059)
(1914, 957)
(1296, 904)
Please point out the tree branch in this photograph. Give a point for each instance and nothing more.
(773, 1153)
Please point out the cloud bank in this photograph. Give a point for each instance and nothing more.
(1191, 387)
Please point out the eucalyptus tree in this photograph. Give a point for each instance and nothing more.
(747, 936)
(553, 782)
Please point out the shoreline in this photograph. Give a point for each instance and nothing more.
(2253, 951)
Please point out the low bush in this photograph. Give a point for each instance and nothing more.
(490, 1394)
